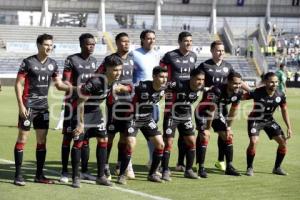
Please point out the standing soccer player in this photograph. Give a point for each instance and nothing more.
(37, 72)
(266, 99)
(117, 104)
(180, 62)
(147, 94)
(90, 121)
(178, 114)
(145, 59)
(78, 69)
(213, 111)
(216, 71)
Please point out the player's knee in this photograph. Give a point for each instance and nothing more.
(77, 144)
(19, 146)
(282, 149)
(251, 150)
(40, 147)
(102, 144)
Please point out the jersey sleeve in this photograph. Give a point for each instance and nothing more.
(68, 66)
(248, 95)
(55, 70)
(101, 69)
(283, 103)
(23, 70)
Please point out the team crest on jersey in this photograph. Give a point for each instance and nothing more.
(93, 65)
(233, 98)
(225, 69)
(111, 127)
(50, 67)
(192, 59)
(278, 99)
(169, 131)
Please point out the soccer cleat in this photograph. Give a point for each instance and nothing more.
(180, 168)
(202, 172)
(155, 178)
(107, 173)
(230, 170)
(76, 182)
(166, 175)
(279, 171)
(250, 171)
(190, 174)
(122, 180)
(64, 178)
(19, 181)
(103, 181)
(87, 176)
(220, 165)
(43, 179)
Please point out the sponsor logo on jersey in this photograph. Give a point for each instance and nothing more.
(130, 130)
(169, 131)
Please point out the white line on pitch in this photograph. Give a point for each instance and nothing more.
(93, 182)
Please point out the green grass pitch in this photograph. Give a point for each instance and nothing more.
(264, 185)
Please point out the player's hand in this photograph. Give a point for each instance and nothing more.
(207, 132)
(289, 133)
(23, 112)
(78, 130)
(229, 134)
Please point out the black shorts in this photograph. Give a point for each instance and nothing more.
(219, 124)
(68, 116)
(271, 127)
(185, 127)
(117, 122)
(39, 119)
(148, 128)
(94, 125)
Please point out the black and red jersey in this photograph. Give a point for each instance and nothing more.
(97, 89)
(180, 99)
(215, 74)
(265, 105)
(218, 98)
(37, 81)
(77, 71)
(179, 65)
(145, 97)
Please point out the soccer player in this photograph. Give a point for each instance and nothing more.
(281, 78)
(178, 114)
(266, 99)
(147, 94)
(78, 68)
(180, 62)
(117, 104)
(213, 111)
(216, 71)
(145, 59)
(90, 121)
(37, 71)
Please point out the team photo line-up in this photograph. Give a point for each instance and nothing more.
(131, 84)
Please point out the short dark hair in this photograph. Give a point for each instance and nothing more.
(216, 43)
(85, 36)
(144, 33)
(232, 75)
(183, 34)
(282, 65)
(120, 35)
(158, 69)
(196, 72)
(41, 38)
(112, 60)
(268, 75)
